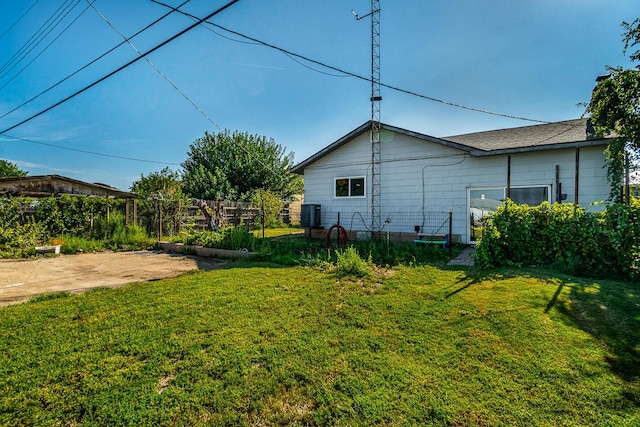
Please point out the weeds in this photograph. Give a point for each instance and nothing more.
(72, 244)
(349, 263)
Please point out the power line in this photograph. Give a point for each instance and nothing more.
(141, 55)
(19, 19)
(292, 57)
(354, 75)
(91, 62)
(95, 153)
(185, 96)
(29, 41)
(37, 41)
(73, 95)
(164, 76)
(47, 46)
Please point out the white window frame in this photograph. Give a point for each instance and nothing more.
(364, 183)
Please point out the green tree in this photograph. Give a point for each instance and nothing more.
(269, 207)
(161, 201)
(166, 182)
(10, 169)
(231, 166)
(615, 110)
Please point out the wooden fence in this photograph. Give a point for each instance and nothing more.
(236, 213)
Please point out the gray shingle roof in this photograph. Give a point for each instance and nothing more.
(569, 133)
(528, 137)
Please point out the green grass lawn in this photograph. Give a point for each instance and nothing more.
(259, 344)
(278, 232)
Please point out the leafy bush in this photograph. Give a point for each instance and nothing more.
(226, 238)
(564, 236)
(81, 221)
(74, 215)
(20, 239)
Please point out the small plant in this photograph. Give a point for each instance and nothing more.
(349, 263)
(269, 207)
(56, 241)
(73, 244)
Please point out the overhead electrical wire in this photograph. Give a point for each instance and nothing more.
(91, 62)
(350, 74)
(199, 21)
(18, 20)
(133, 61)
(185, 96)
(143, 55)
(47, 46)
(30, 40)
(6, 68)
(95, 153)
(157, 70)
(257, 43)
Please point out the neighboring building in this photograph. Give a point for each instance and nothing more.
(55, 185)
(423, 178)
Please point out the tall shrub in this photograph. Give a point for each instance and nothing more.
(564, 236)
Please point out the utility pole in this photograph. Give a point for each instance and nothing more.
(376, 98)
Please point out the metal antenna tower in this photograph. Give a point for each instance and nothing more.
(376, 222)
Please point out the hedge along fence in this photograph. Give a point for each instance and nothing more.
(79, 216)
(89, 216)
(600, 244)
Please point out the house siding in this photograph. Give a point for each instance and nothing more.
(422, 181)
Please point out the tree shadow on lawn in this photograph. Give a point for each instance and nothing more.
(472, 277)
(607, 310)
(610, 312)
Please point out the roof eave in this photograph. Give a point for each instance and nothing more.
(587, 143)
(110, 191)
(299, 168)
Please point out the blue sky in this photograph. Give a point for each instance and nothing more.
(536, 59)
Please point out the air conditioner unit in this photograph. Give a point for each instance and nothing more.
(310, 216)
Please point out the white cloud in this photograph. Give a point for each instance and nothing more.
(40, 167)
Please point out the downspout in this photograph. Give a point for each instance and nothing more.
(509, 176)
(558, 185)
(577, 182)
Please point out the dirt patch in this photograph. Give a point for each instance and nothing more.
(22, 279)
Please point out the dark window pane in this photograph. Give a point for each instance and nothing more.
(531, 196)
(342, 187)
(357, 187)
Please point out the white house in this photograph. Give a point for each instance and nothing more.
(423, 178)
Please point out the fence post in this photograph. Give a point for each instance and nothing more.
(160, 222)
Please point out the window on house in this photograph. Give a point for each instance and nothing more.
(483, 201)
(349, 187)
(531, 196)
